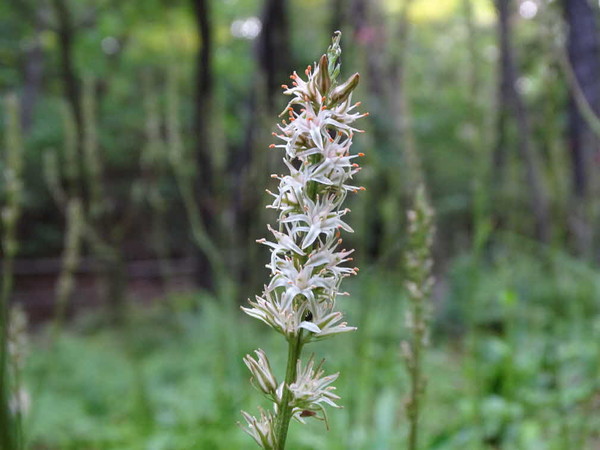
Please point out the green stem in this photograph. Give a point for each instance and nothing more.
(285, 410)
(415, 394)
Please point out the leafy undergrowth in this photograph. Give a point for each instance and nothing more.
(514, 362)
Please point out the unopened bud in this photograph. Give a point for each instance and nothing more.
(322, 78)
(342, 92)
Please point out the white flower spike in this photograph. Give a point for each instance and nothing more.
(306, 264)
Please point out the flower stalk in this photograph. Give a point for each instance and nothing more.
(283, 419)
(10, 430)
(307, 265)
(419, 282)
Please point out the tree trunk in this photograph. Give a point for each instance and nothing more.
(274, 48)
(338, 15)
(113, 276)
(400, 105)
(33, 71)
(204, 82)
(369, 31)
(250, 162)
(583, 48)
(512, 104)
(66, 37)
(369, 34)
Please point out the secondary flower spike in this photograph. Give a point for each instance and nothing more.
(307, 262)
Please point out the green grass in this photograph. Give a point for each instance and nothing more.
(526, 377)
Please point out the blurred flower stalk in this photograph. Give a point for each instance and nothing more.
(12, 172)
(419, 282)
(306, 260)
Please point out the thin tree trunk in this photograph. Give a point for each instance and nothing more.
(499, 157)
(511, 102)
(474, 79)
(274, 47)
(33, 71)
(114, 276)
(272, 54)
(369, 37)
(583, 48)
(247, 167)
(369, 31)
(400, 105)
(338, 18)
(66, 38)
(204, 82)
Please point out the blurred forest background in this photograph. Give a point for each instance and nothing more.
(143, 128)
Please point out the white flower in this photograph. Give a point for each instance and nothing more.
(300, 281)
(329, 259)
(284, 245)
(262, 429)
(261, 372)
(269, 309)
(311, 391)
(320, 217)
(329, 323)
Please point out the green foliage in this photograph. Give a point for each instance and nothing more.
(537, 367)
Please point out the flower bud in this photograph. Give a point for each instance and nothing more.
(261, 371)
(342, 92)
(322, 78)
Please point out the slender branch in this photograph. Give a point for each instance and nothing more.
(583, 104)
(70, 262)
(185, 183)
